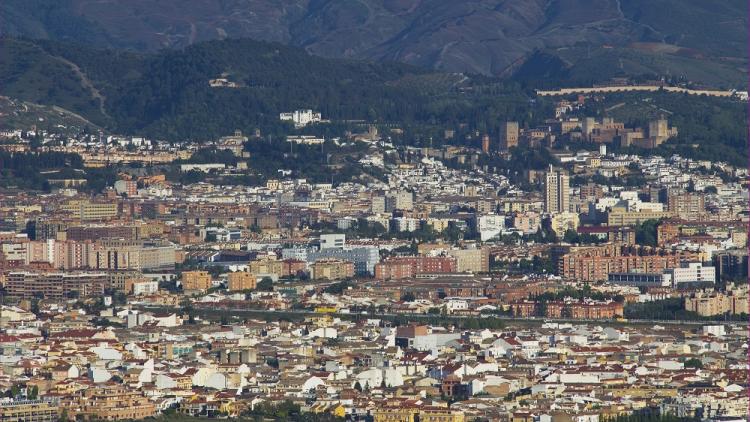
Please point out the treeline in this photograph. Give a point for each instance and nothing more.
(24, 161)
(22, 170)
(673, 309)
(585, 293)
(33, 170)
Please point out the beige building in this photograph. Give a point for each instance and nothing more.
(620, 216)
(331, 269)
(508, 135)
(528, 222)
(707, 304)
(734, 301)
(133, 255)
(556, 191)
(687, 206)
(87, 211)
(113, 402)
(29, 411)
(564, 221)
(266, 265)
(471, 260)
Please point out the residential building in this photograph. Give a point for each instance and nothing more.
(55, 285)
(331, 269)
(195, 280)
(556, 191)
(240, 280)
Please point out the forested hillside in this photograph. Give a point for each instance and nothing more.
(168, 95)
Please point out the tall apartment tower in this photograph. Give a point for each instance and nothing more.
(557, 191)
(508, 135)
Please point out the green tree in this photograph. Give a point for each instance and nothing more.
(571, 236)
(694, 363)
(408, 297)
(646, 233)
(265, 285)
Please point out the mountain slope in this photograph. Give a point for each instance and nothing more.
(491, 37)
(168, 95)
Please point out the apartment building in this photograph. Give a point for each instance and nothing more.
(409, 266)
(688, 206)
(15, 410)
(556, 191)
(596, 263)
(195, 280)
(331, 269)
(55, 285)
(240, 280)
(113, 402)
(620, 216)
(85, 210)
(475, 260)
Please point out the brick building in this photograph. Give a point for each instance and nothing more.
(55, 285)
(409, 266)
(583, 309)
(595, 263)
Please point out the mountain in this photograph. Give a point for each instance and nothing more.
(169, 94)
(490, 37)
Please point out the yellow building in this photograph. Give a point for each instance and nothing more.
(520, 205)
(412, 414)
(241, 280)
(395, 415)
(439, 414)
(114, 402)
(266, 265)
(196, 280)
(87, 211)
(29, 410)
(619, 216)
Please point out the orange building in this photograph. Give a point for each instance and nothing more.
(568, 309)
(409, 266)
(241, 280)
(584, 310)
(196, 280)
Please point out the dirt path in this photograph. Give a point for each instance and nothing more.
(86, 83)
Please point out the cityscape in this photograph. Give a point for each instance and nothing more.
(308, 237)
